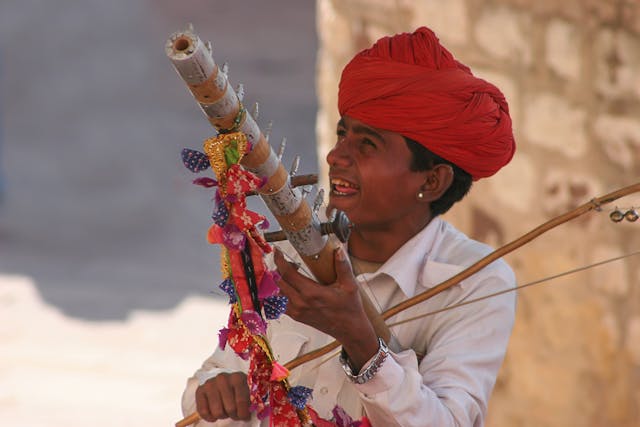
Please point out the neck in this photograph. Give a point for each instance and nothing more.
(378, 244)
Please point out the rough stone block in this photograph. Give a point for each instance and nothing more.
(392, 15)
(633, 339)
(563, 49)
(631, 15)
(502, 32)
(620, 139)
(551, 122)
(617, 56)
(612, 279)
(515, 185)
(563, 190)
(447, 19)
(334, 30)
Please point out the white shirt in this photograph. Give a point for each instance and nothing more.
(460, 350)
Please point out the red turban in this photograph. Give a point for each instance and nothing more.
(412, 85)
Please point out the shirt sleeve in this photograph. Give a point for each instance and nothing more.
(452, 384)
(220, 361)
(286, 338)
(224, 361)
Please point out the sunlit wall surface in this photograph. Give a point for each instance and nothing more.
(571, 73)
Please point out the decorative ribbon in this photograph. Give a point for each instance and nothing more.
(251, 287)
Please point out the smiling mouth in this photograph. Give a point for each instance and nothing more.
(341, 187)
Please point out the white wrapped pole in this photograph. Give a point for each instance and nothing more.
(207, 82)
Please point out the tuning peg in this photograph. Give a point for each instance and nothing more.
(255, 112)
(267, 131)
(306, 189)
(631, 215)
(318, 201)
(338, 225)
(294, 166)
(333, 214)
(283, 145)
(240, 92)
(303, 181)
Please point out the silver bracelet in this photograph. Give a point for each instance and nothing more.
(368, 371)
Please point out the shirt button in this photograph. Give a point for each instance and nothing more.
(324, 390)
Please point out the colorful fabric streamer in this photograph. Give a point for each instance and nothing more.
(252, 288)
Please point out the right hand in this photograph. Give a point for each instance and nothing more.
(224, 396)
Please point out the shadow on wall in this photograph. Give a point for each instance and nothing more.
(99, 209)
(2, 179)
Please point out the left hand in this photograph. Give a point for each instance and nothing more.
(335, 309)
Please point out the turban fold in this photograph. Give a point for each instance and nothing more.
(412, 85)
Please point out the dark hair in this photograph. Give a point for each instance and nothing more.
(423, 159)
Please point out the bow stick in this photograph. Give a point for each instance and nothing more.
(593, 204)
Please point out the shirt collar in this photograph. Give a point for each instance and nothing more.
(406, 264)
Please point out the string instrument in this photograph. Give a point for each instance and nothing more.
(240, 137)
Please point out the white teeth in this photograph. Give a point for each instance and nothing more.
(342, 183)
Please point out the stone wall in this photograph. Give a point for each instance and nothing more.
(571, 73)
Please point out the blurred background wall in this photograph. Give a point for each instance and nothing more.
(571, 73)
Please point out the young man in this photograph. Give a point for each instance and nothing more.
(416, 128)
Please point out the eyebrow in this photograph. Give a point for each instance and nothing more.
(363, 129)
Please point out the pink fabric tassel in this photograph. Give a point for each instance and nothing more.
(278, 372)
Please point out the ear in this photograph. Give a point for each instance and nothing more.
(437, 181)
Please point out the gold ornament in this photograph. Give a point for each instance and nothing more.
(631, 215)
(616, 215)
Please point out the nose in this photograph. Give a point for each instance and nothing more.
(339, 155)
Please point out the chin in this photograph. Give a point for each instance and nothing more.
(339, 203)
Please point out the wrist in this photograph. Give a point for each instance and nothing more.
(361, 376)
(361, 347)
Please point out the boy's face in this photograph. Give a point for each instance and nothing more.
(370, 177)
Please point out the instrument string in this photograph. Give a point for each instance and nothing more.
(357, 270)
(515, 288)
